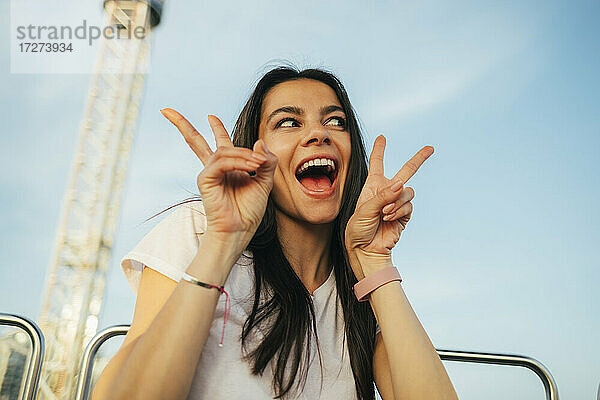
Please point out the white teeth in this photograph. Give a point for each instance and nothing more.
(317, 162)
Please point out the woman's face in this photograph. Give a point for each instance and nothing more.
(302, 121)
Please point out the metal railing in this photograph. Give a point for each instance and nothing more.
(506, 359)
(87, 361)
(540, 370)
(34, 365)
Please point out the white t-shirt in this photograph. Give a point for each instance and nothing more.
(169, 249)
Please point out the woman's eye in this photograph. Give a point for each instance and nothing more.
(286, 123)
(289, 122)
(339, 121)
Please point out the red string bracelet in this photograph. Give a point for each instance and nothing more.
(221, 289)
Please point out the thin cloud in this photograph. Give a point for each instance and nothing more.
(446, 70)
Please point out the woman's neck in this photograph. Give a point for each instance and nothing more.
(306, 247)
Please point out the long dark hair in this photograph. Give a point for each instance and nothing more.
(286, 313)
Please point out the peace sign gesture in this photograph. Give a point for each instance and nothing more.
(383, 208)
(234, 201)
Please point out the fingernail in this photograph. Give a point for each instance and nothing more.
(388, 208)
(265, 148)
(396, 186)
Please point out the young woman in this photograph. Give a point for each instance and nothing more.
(289, 219)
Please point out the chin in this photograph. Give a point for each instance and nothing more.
(319, 215)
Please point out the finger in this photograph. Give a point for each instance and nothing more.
(412, 165)
(220, 164)
(221, 136)
(406, 209)
(389, 194)
(257, 158)
(192, 137)
(376, 158)
(241, 152)
(406, 195)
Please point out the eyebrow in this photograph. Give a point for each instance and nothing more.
(299, 111)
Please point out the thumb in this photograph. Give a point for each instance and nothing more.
(264, 173)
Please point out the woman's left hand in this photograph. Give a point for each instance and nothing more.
(383, 208)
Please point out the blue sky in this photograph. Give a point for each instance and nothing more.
(501, 253)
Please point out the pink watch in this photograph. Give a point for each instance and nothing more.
(365, 286)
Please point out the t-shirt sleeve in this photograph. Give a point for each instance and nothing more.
(169, 247)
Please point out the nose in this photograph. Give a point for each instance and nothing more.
(317, 134)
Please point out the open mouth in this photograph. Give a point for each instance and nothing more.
(317, 178)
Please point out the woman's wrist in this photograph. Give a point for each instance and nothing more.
(214, 258)
(364, 263)
(230, 244)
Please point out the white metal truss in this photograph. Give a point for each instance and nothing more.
(75, 283)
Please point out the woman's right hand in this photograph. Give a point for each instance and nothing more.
(234, 201)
